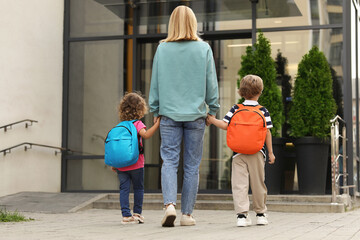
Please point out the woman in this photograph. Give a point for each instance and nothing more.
(183, 82)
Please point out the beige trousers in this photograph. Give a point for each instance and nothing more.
(249, 169)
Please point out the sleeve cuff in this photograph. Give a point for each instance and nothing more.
(211, 112)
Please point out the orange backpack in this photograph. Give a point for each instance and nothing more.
(246, 131)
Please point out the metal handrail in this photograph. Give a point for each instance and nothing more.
(337, 118)
(336, 157)
(29, 145)
(28, 122)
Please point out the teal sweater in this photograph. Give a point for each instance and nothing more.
(183, 81)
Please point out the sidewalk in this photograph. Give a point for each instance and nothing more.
(215, 224)
(105, 224)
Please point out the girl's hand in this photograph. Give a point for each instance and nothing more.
(156, 119)
(113, 169)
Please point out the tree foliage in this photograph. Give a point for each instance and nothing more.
(313, 103)
(258, 61)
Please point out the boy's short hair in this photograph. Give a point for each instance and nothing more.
(250, 86)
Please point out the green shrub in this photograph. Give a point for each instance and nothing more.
(313, 103)
(258, 61)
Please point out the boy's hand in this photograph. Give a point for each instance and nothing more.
(113, 169)
(271, 158)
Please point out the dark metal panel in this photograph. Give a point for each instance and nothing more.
(300, 28)
(253, 20)
(65, 92)
(100, 38)
(135, 47)
(347, 86)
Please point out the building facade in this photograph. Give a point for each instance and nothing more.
(108, 47)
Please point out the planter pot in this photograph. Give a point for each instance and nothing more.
(274, 172)
(312, 160)
(289, 156)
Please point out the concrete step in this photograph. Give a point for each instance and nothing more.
(228, 197)
(278, 203)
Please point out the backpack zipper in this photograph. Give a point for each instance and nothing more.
(264, 123)
(115, 127)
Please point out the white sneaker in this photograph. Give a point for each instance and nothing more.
(138, 217)
(243, 220)
(187, 220)
(261, 219)
(169, 217)
(129, 220)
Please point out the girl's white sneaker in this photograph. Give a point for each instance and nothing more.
(129, 220)
(138, 217)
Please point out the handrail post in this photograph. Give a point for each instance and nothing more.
(337, 156)
(333, 171)
(344, 159)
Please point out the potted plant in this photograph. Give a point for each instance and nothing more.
(312, 109)
(258, 61)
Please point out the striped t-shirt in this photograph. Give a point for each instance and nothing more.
(266, 113)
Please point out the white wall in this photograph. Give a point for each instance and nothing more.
(31, 66)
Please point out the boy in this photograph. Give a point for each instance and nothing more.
(249, 167)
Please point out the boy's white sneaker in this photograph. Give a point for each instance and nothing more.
(169, 217)
(261, 219)
(243, 220)
(187, 220)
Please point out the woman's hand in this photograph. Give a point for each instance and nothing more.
(209, 119)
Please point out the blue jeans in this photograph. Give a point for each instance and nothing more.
(137, 178)
(172, 133)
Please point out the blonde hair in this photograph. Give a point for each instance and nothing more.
(250, 86)
(182, 25)
(132, 106)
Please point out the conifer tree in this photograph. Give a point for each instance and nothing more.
(258, 61)
(313, 103)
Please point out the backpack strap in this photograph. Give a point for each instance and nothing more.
(242, 106)
(141, 147)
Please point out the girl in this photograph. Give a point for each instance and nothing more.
(132, 107)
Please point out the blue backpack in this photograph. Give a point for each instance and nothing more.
(122, 145)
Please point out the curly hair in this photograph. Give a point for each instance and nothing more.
(132, 106)
(250, 86)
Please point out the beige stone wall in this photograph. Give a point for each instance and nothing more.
(31, 67)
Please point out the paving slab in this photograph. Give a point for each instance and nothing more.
(44, 202)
